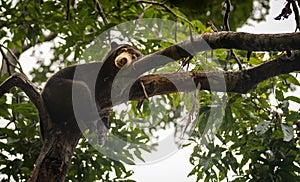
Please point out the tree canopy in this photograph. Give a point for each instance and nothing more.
(230, 94)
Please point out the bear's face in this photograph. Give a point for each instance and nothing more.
(126, 55)
(121, 55)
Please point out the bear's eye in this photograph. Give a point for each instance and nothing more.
(122, 50)
(134, 56)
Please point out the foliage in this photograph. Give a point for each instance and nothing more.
(20, 143)
(210, 11)
(257, 140)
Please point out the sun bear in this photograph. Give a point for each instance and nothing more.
(81, 93)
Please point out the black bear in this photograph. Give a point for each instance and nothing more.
(82, 92)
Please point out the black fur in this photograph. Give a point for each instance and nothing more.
(91, 82)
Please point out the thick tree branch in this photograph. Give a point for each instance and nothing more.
(21, 81)
(57, 151)
(56, 154)
(240, 81)
(51, 145)
(216, 40)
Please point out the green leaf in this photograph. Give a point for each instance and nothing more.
(293, 80)
(292, 116)
(138, 154)
(262, 127)
(279, 95)
(293, 98)
(288, 132)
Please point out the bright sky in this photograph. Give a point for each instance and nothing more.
(176, 167)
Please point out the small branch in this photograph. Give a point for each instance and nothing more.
(236, 59)
(226, 15)
(7, 60)
(14, 54)
(213, 27)
(101, 12)
(144, 90)
(285, 12)
(68, 15)
(297, 15)
(167, 9)
(25, 47)
(103, 16)
(227, 28)
(143, 13)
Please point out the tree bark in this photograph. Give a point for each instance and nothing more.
(216, 40)
(230, 81)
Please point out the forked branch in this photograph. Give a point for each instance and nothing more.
(21, 81)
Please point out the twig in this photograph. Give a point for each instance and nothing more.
(167, 9)
(8, 62)
(189, 120)
(285, 12)
(213, 27)
(103, 16)
(227, 28)
(25, 47)
(226, 16)
(68, 10)
(143, 13)
(297, 15)
(236, 59)
(101, 12)
(144, 90)
(146, 97)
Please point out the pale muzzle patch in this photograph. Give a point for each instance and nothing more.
(123, 59)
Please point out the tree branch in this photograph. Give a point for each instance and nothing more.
(226, 15)
(14, 54)
(25, 47)
(297, 15)
(57, 150)
(10, 59)
(101, 12)
(21, 81)
(227, 28)
(163, 5)
(215, 40)
(240, 81)
(248, 41)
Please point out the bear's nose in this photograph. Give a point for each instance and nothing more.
(124, 60)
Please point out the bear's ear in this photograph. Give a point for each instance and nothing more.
(113, 45)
